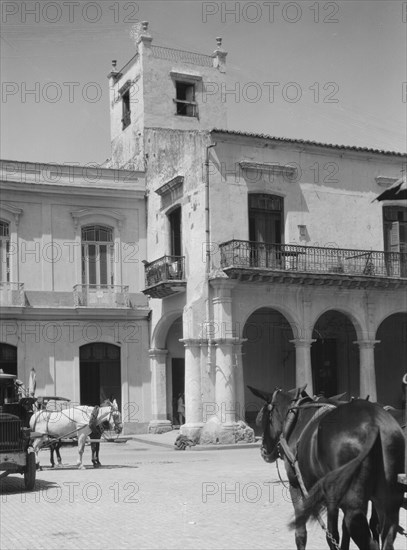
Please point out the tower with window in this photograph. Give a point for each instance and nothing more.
(166, 88)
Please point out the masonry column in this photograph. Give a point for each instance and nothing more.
(367, 374)
(240, 379)
(303, 367)
(225, 381)
(224, 341)
(193, 393)
(159, 422)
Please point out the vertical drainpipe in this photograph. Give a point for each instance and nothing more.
(208, 250)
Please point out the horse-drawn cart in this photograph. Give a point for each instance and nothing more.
(16, 451)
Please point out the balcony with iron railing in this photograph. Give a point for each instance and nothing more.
(12, 294)
(101, 296)
(255, 261)
(165, 276)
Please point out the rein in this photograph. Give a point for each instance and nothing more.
(289, 425)
(109, 416)
(285, 451)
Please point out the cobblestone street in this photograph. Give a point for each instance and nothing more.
(151, 496)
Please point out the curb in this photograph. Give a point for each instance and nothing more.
(198, 448)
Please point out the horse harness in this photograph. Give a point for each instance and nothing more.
(92, 424)
(300, 403)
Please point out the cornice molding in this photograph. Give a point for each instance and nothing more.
(83, 213)
(14, 210)
(269, 167)
(171, 185)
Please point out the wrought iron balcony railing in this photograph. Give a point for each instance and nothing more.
(312, 259)
(101, 296)
(165, 276)
(12, 294)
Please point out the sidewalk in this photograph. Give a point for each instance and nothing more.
(167, 439)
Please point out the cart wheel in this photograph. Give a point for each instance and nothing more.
(29, 472)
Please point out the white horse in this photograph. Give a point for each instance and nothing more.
(71, 422)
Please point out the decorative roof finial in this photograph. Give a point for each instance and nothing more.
(144, 25)
(114, 64)
(219, 56)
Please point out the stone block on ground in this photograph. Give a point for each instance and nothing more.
(214, 432)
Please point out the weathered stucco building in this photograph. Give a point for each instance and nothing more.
(70, 283)
(266, 260)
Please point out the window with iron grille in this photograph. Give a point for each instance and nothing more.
(97, 255)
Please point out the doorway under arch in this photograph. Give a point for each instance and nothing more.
(334, 356)
(268, 357)
(100, 377)
(175, 368)
(391, 360)
(8, 358)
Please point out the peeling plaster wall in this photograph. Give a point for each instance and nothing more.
(331, 194)
(160, 92)
(172, 153)
(128, 144)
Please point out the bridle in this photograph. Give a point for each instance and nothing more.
(271, 405)
(114, 415)
(287, 421)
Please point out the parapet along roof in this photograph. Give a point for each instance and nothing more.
(306, 142)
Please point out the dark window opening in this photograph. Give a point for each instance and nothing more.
(185, 99)
(395, 229)
(265, 230)
(265, 218)
(395, 238)
(4, 252)
(175, 232)
(125, 109)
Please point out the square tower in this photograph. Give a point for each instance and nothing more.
(165, 88)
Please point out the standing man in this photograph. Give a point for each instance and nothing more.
(181, 409)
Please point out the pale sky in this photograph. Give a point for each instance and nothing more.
(338, 68)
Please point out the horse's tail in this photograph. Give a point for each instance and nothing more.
(330, 490)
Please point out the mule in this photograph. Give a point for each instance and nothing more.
(72, 422)
(337, 457)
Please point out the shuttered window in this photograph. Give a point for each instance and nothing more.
(97, 256)
(4, 252)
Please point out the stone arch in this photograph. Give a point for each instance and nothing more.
(390, 357)
(358, 324)
(159, 335)
(386, 314)
(268, 356)
(99, 372)
(284, 311)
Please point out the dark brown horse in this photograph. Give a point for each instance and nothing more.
(336, 457)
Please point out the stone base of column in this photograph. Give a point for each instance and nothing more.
(215, 432)
(159, 426)
(191, 430)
